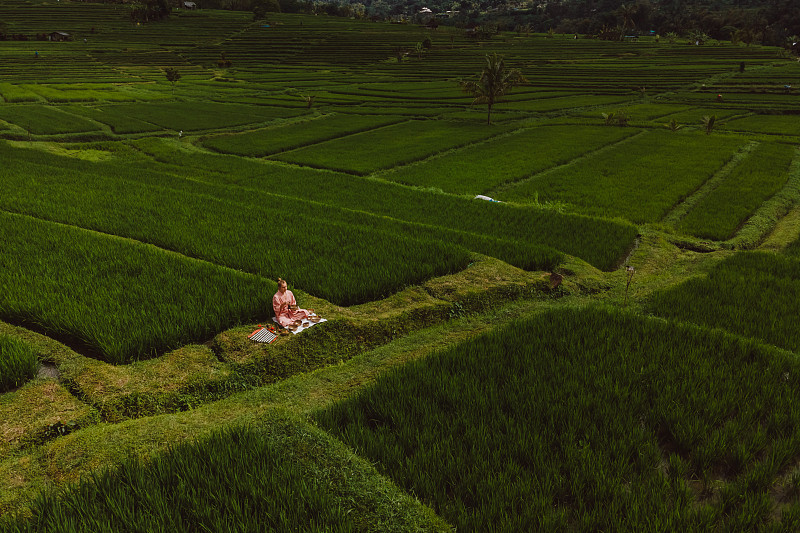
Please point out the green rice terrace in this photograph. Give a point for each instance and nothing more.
(581, 316)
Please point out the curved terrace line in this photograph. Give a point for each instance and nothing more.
(683, 207)
(510, 186)
(132, 240)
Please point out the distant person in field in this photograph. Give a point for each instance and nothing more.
(285, 306)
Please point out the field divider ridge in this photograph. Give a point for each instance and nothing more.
(328, 141)
(687, 204)
(764, 221)
(511, 185)
(378, 173)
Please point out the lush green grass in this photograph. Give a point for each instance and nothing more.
(18, 362)
(754, 294)
(793, 250)
(278, 476)
(564, 102)
(267, 235)
(694, 116)
(273, 140)
(390, 146)
(116, 117)
(494, 229)
(191, 116)
(639, 180)
(58, 95)
(477, 169)
(757, 178)
(16, 94)
(775, 124)
(218, 171)
(586, 420)
(639, 112)
(119, 299)
(45, 120)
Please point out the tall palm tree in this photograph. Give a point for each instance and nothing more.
(627, 11)
(492, 83)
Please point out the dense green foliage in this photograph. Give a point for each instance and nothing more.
(754, 294)
(758, 177)
(18, 362)
(586, 420)
(272, 239)
(119, 299)
(281, 476)
(516, 235)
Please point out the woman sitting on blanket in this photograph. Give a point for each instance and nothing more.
(285, 306)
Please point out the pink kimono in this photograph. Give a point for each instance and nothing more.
(287, 316)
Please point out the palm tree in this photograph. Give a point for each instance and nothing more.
(309, 100)
(493, 82)
(627, 11)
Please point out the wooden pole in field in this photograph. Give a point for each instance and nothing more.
(630, 270)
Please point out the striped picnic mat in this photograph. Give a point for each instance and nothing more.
(262, 335)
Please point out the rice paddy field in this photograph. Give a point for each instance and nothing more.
(578, 317)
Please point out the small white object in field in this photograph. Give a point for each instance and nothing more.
(487, 198)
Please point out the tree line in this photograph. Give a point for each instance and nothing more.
(769, 22)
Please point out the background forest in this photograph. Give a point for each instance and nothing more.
(773, 23)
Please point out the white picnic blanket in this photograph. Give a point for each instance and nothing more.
(305, 325)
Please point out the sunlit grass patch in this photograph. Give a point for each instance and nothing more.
(59, 94)
(640, 111)
(39, 411)
(565, 102)
(694, 116)
(343, 262)
(17, 93)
